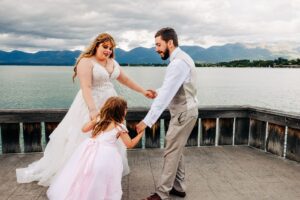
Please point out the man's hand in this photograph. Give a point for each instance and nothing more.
(151, 94)
(140, 127)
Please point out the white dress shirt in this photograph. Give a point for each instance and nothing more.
(177, 73)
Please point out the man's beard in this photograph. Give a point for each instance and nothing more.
(166, 54)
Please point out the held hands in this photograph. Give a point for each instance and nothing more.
(151, 94)
(140, 127)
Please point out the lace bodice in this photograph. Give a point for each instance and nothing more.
(102, 85)
(101, 77)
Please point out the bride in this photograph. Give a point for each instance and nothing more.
(95, 68)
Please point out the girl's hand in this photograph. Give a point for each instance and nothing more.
(140, 127)
(151, 94)
(90, 125)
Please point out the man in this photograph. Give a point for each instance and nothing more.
(178, 93)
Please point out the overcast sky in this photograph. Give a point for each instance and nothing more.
(34, 25)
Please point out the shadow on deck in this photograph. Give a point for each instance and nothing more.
(224, 172)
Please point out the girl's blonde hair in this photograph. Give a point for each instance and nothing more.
(91, 50)
(114, 110)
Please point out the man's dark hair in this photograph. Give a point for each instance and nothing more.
(168, 34)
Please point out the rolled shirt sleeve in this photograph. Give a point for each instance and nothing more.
(176, 74)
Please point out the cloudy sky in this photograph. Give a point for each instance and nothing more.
(34, 25)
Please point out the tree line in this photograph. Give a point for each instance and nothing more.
(279, 62)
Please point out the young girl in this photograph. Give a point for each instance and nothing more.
(94, 171)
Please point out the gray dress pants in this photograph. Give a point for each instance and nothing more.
(173, 173)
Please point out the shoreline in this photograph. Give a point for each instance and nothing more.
(154, 65)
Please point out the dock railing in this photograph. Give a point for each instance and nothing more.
(24, 131)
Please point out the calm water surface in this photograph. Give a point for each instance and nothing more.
(24, 87)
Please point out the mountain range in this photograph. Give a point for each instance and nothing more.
(141, 55)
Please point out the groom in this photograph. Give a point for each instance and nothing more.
(178, 93)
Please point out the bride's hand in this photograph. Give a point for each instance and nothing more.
(151, 94)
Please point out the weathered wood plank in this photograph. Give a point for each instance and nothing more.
(293, 122)
(32, 134)
(54, 115)
(275, 140)
(208, 132)
(241, 131)
(49, 128)
(10, 134)
(226, 173)
(9, 188)
(293, 144)
(275, 117)
(152, 136)
(31, 115)
(257, 133)
(225, 131)
(141, 178)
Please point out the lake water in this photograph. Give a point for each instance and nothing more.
(23, 87)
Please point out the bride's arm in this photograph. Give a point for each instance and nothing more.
(84, 71)
(125, 80)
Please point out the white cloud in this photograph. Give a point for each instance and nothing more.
(131, 39)
(34, 25)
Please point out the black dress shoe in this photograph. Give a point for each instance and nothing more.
(177, 193)
(153, 197)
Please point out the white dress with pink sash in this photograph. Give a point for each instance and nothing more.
(93, 172)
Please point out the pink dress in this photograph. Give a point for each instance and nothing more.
(93, 172)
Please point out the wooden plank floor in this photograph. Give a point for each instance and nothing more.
(223, 172)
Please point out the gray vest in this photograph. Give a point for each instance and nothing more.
(186, 96)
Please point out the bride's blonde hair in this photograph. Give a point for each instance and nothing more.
(113, 110)
(91, 50)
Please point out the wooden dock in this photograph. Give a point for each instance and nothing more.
(232, 153)
(216, 173)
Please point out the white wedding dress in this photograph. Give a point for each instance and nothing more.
(68, 135)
